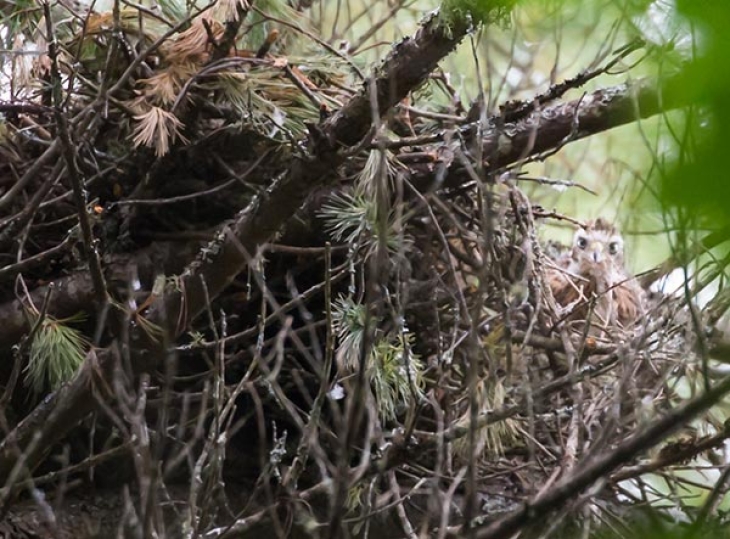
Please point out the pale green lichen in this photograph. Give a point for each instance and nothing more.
(476, 12)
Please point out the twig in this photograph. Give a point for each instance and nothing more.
(92, 255)
(314, 38)
(48, 156)
(37, 259)
(223, 47)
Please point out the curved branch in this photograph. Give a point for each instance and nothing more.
(552, 127)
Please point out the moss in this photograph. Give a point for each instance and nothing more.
(476, 12)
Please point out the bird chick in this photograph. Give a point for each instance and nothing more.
(595, 269)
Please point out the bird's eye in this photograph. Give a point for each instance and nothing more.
(613, 247)
(582, 242)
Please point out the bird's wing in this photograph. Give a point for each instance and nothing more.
(629, 301)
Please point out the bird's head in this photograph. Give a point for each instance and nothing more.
(597, 249)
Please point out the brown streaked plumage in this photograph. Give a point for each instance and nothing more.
(595, 268)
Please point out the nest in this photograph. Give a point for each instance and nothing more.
(400, 340)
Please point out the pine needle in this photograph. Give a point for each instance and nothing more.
(353, 219)
(156, 129)
(56, 353)
(393, 371)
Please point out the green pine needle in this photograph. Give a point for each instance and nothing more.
(56, 353)
(348, 217)
(353, 219)
(396, 375)
(349, 325)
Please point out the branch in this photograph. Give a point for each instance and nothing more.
(550, 128)
(69, 154)
(407, 66)
(73, 294)
(604, 109)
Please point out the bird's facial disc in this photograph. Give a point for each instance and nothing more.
(596, 247)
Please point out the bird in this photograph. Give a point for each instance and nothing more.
(594, 271)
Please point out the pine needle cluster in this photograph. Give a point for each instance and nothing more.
(56, 353)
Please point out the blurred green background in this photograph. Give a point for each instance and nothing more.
(639, 173)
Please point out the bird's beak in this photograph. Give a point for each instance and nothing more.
(596, 250)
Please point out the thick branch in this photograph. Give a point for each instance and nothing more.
(74, 294)
(593, 113)
(550, 128)
(407, 67)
